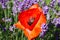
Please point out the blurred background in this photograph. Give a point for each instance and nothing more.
(9, 10)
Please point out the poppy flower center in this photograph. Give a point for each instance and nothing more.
(31, 20)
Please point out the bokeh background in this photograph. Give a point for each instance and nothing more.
(9, 10)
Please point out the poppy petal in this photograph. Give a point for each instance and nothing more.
(18, 25)
(34, 6)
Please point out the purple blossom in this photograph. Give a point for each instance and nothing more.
(53, 3)
(20, 6)
(45, 9)
(4, 6)
(16, 7)
(7, 19)
(4, 3)
(11, 28)
(58, 25)
(58, 3)
(33, 2)
(44, 29)
(56, 21)
(42, 34)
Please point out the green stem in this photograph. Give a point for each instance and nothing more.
(22, 36)
(16, 37)
(5, 14)
(5, 17)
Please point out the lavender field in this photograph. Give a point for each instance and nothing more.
(9, 10)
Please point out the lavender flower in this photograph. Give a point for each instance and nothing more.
(14, 9)
(17, 7)
(56, 21)
(58, 2)
(7, 19)
(42, 34)
(44, 29)
(11, 28)
(45, 9)
(3, 3)
(58, 25)
(20, 6)
(34, 2)
(52, 3)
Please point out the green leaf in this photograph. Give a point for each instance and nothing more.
(47, 2)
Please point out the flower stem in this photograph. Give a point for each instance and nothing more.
(5, 15)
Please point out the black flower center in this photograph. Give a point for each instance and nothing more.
(31, 20)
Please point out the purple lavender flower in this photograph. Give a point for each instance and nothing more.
(14, 9)
(52, 3)
(17, 5)
(58, 25)
(45, 9)
(7, 19)
(58, 2)
(56, 21)
(3, 3)
(11, 28)
(44, 29)
(20, 6)
(34, 2)
(42, 34)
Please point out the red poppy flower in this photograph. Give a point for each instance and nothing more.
(30, 21)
